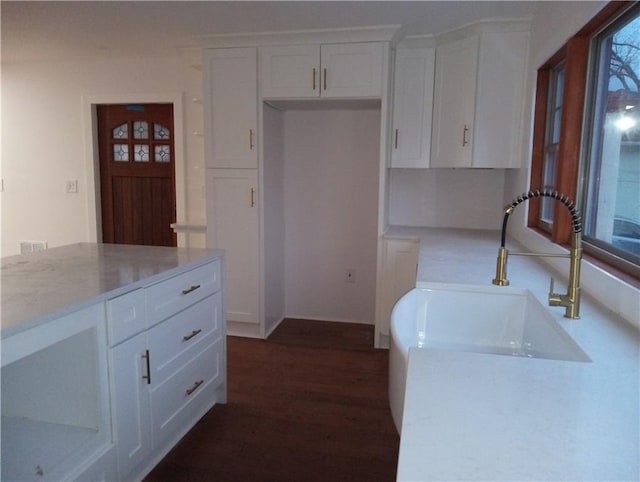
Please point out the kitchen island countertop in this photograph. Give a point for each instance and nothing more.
(41, 286)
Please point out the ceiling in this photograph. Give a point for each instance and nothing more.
(54, 30)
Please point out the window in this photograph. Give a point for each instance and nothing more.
(592, 153)
(552, 141)
(611, 197)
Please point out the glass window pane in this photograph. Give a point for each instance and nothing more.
(612, 208)
(552, 139)
(160, 132)
(162, 153)
(121, 132)
(140, 130)
(549, 182)
(141, 152)
(120, 152)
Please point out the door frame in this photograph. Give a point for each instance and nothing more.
(92, 159)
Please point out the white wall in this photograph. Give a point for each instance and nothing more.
(331, 199)
(44, 121)
(447, 198)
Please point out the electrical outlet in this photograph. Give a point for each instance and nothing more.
(350, 276)
(72, 186)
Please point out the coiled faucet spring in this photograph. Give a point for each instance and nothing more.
(576, 219)
(571, 300)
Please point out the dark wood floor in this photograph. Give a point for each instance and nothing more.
(308, 404)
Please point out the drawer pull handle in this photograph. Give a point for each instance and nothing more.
(147, 377)
(465, 133)
(189, 290)
(195, 386)
(193, 333)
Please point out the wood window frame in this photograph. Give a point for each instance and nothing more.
(575, 54)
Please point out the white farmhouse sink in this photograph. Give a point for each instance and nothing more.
(472, 318)
(486, 319)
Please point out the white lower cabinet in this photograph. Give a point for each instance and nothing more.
(398, 275)
(165, 378)
(103, 469)
(232, 210)
(131, 405)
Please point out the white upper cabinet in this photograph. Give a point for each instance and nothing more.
(500, 99)
(412, 107)
(331, 71)
(478, 99)
(231, 108)
(454, 103)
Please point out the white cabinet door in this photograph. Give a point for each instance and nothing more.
(352, 70)
(331, 71)
(290, 71)
(412, 107)
(454, 103)
(500, 97)
(232, 214)
(231, 115)
(399, 272)
(131, 405)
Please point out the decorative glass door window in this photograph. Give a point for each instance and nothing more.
(159, 145)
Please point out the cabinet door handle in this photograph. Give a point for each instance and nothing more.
(147, 377)
(195, 386)
(189, 290)
(191, 335)
(251, 139)
(465, 133)
(314, 78)
(253, 197)
(324, 74)
(396, 140)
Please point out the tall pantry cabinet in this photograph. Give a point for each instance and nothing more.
(231, 117)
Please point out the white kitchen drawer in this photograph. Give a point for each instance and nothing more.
(180, 338)
(179, 402)
(126, 316)
(168, 297)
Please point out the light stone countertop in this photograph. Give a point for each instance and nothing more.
(41, 286)
(471, 416)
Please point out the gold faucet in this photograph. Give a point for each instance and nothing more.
(570, 300)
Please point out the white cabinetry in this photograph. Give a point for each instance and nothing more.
(478, 98)
(332, 71)
(398, 275)
(168, 375)
(233, 226)
(55, 400)
(500, 99)
(454, 103)
(232, 114)
(412, 107)
(131, 405)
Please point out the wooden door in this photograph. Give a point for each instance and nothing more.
(137, 173)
